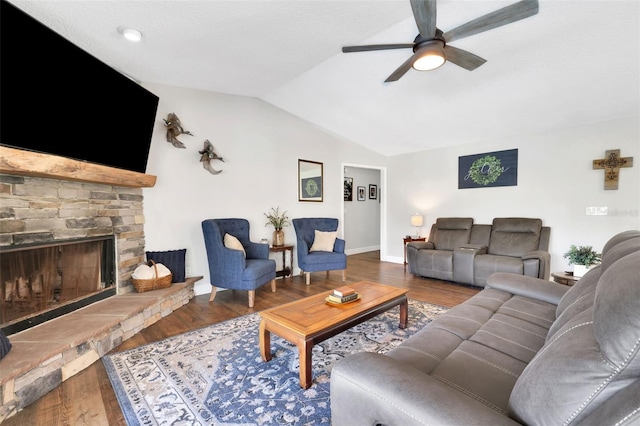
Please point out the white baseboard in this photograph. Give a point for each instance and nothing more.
(361, 250)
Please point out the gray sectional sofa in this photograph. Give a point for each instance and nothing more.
(521, 351)
(460, 250)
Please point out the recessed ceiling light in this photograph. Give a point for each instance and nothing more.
(131, 34)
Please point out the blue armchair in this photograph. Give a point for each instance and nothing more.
(231, 268)
(314, 259)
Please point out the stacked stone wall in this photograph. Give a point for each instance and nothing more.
(39, 210)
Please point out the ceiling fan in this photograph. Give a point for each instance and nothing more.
(431, 46)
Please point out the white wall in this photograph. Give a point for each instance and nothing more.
(556, 183)
(261, 146)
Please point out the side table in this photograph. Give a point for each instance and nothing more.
(407, 240)
(564, 278)
(286, 271)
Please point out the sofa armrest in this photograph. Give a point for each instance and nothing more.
(420, 245)
(463, 258)
(522, 285)
(338, 246)
(369, 388)
(543, 259)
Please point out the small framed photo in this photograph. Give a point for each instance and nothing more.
(348, 189)
(362, 193)
(373, 192)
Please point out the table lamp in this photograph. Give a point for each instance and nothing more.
(417, 221)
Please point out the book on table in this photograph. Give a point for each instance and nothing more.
(342, 299)
(343, 291)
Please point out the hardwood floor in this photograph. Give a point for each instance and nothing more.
(88, 399)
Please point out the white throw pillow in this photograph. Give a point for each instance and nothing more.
(233, 243)
(323, 241)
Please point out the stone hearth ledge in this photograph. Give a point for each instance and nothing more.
(44, 356)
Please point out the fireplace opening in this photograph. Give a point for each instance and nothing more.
(45, 281)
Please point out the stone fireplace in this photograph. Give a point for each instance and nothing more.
(44, 212)
(49, 201)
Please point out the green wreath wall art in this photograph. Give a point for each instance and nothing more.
(488, 169)
(485, 170)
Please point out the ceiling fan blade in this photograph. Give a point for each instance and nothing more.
(506, 15)
(462, 58)
(365, 48)
(424, 12)
(402, 69)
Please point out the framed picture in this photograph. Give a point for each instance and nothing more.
(373, 192)
(362, 191)
(348, 189)
(310, 181)
(498, 168)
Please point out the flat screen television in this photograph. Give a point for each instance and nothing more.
(55, 98)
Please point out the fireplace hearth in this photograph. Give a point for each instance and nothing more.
(41, 282)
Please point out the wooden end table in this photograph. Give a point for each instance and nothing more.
(564, 278)
(286, 270)
(311, 320)
(408, 240)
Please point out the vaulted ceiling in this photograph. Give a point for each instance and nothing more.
(575, 62)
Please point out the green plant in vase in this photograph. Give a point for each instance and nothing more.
(582, 258)
(278, 221)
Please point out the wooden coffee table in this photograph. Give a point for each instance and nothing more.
(311, 320)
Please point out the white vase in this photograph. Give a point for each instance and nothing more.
(580, 270)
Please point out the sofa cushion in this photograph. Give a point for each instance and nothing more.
(590, 358)
(514, 236)
(452, 232)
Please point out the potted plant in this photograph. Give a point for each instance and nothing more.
(582, 258)
(278, 221)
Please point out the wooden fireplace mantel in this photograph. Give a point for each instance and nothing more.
(27, 163)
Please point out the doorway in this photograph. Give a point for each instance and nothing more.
(363, 218)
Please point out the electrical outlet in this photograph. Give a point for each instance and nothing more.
(596, 211)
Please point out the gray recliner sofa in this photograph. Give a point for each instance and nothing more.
(467, 253)
(521, 351)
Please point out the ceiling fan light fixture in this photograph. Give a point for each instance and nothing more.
(431, 57)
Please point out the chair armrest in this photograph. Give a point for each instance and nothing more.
(338, 246)
(523, 285)
(369, 388)
(257, 250)
(231, 261)
(420, 245)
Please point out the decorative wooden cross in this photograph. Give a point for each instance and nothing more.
(611, 163)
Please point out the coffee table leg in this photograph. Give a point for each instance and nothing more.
(404, 314)
(265, 342)
(304, 350)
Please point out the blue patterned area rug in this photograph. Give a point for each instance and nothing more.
(215, 375)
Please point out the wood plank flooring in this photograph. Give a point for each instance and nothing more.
(88, 399)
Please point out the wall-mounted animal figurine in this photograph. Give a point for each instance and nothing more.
(174, 129)
(207, 155)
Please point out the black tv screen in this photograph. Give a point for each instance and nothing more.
(55, 98)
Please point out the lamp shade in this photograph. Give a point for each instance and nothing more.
(417, 220)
